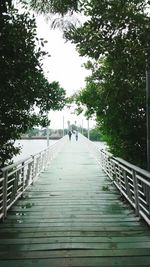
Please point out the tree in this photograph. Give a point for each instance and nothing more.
(95, 135)
(118, 112)
(116, 37)
(23, 87)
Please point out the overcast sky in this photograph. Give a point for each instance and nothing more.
(65, 66)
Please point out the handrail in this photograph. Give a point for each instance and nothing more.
(16, 178)
(132, 181)
(14, 164)
(138, 169)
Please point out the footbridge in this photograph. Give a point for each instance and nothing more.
(74, 205)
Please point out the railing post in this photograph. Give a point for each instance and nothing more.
(39, 163)
(46, 159)
(36, 167)
(33, 170)
(136, 194)
(42, 167)
(5, 181)
(109, 167)
(22, 175)
(114, 177)
(27, 182)
(127, 185)
(146, 190)
(14, 186)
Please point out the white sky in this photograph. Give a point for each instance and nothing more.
(64, 66)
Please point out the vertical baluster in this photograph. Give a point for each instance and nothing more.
(23, 176)
(28, 174)
(109, 168)
(146, 190)
(49, 154)
(104, 162)
(119, 176)
(39, 163)
(114, 177)
(136, 193)
(15, 186)
(5, 184)
(32, 170)
(128, 192)
(107, 164)
(46, 159)
(42, 161)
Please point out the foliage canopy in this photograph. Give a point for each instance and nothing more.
(116, 37)
(54, 6)
(23, 86)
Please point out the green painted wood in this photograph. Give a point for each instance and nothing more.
(99, 262)
(73, 239)
(73, 216)
(40, 234)
(76, 219)
(76, 246)
(68, 253)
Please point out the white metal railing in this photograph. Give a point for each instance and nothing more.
(15, 178)
(132, 181)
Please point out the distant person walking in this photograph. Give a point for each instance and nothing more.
(76, 136)
(70, 133)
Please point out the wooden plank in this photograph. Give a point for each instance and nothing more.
(78, 239)
(75, 228)
(36, 263)
(63, 204)
(39, 234)
(68, 219)
(73, 224)
(67, 253)
(67, 215)
(80, 262)
(107, 246)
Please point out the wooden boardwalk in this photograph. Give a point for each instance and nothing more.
(73, 216)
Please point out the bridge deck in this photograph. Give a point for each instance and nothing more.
(73, 216)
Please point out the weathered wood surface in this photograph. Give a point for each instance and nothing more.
(73, 216)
